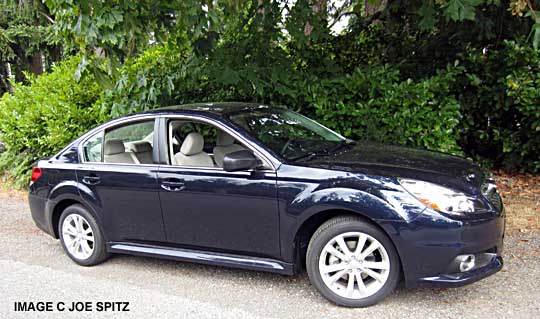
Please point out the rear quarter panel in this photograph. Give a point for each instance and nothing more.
(57, 182)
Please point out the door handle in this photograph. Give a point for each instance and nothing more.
(173, 188)
(91, 179)
(172, 185)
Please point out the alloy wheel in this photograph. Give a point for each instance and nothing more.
(78, 236)
(354, 265)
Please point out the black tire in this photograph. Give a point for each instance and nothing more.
(335, 227)
(99, 253)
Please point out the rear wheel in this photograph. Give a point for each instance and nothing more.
(81, 236)
(352, 263)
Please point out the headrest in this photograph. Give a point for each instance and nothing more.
(114, 146)
(224, 139)
(140, 147)
(193, 144)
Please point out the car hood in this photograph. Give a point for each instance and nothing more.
(399, 161)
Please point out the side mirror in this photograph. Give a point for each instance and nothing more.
(240, 161)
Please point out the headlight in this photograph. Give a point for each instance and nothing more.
(440, 198)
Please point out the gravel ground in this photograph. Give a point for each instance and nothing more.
(34, 268)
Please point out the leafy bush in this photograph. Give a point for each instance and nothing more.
(146, 82)
(173, 74)
(500, 98)
(371, 103)
(374, 104)
(39, 119)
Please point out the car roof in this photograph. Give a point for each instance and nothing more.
(216, 108)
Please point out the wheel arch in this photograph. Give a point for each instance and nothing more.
(60, 206)
(308, 227)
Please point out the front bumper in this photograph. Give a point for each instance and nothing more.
(429, 245)
(464, 278)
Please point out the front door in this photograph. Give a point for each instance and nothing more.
(209, 208)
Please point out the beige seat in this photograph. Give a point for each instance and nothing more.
(225, 145)
(143, 152)
(115, 152)
(191, 153)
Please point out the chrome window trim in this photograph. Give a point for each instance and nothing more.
(102, 129)
(268, 162)
(170, 168)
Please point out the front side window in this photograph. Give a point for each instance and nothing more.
(287, 133)
(199, 144)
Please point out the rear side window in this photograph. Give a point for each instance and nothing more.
(132, 132)
(92, 148)
(127, 144)
(130, 143)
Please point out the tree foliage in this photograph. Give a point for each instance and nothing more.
(26, 41)
(459, 76)
(41, 118)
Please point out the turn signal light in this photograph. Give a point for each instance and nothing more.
(429, 203)
(36, 173)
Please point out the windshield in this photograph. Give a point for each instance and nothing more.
(287, 133)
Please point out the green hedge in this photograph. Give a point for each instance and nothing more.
(39, 119)
(371, 103)
(374, 104)
(499, 91)
(485, 105)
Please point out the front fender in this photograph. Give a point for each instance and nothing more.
(379, 199)
(364, 203)
(352, 201)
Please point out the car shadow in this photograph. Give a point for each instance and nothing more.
(274, 285)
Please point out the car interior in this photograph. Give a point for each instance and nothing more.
(138, 152)
(199, 144)
(191, 143)
(130, 144)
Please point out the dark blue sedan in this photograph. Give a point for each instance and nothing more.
(259, 187)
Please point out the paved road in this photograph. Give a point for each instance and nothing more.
(34, 268)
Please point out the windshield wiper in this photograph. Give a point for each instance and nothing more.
(307, 156)
(339, 146)
(324, 152)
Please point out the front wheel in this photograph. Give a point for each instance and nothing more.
(81, 236)
(352, 263)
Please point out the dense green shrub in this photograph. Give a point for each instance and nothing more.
(375, 104)
(149, 81)
(173, 74)
(499, 92)
(371, 103)
(485, 105)
(39, 119)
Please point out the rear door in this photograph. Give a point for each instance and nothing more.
(123, 192)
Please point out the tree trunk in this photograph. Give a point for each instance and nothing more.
(4, 79)
(371, 9)
(320, 9)
(18, 72)
(36, 63)
(53, 54)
